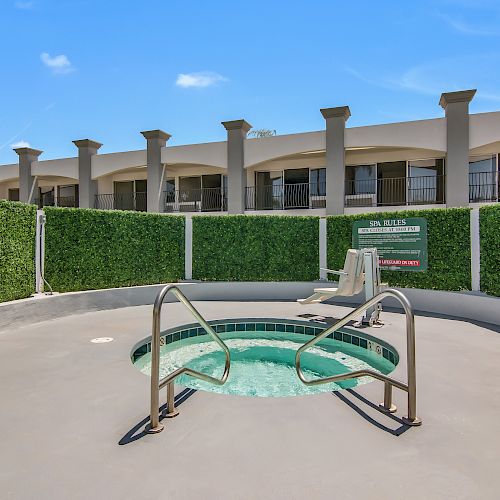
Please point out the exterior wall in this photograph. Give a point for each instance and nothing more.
(423, 139)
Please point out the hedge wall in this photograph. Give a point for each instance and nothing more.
(17, 250)
(255, 248)
(88, 249)
(448, 236)
(489, 229)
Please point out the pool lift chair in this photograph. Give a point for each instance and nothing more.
(361, 270)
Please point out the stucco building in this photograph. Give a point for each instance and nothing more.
(450, 161)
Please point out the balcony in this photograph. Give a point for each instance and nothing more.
(395, 191)
(122, 201)
(286, 197)
(196, 200)
(62, 201)
(483, 187)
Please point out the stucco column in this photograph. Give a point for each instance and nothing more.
(335, 158)
(237, 131)
(27, 182)
(456, 106)
(87, 187)
(156, 139)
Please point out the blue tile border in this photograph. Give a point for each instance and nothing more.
(344, 335)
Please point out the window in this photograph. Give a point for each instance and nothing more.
(46, 196)
(318, 181)
(170, 190)
(269, 190)
(67, 196)
(483, 182)
(360, 179)
(426, 181)
(189, 189)
(131, 195)
(201, 192)
(14, 194)
(391, 183)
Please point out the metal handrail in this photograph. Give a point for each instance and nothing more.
(410, 387)
(157, 384)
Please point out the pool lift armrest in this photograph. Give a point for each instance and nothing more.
(331, 271)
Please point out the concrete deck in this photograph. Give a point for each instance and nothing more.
(67, 404)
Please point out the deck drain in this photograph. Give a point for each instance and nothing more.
(102, 340)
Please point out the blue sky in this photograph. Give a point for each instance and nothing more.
(106, 70)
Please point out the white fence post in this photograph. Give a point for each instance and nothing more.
(475, 250)
(39, 250)
(322, 248)
(188, 249)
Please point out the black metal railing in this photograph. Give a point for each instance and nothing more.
(483, 186)
(286, 196)
(425, 190)
(196, 200)
(49, 200)
(122, 201)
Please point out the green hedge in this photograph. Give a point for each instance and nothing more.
(448, 236)
(88, 249)
(255, 248)
(17, 250)
(489, 229)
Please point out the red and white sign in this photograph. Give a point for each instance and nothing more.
(398, 262)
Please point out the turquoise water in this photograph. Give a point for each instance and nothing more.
(263, 363)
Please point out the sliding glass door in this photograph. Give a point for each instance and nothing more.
(391, 183)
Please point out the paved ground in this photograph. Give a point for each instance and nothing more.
(67, 404)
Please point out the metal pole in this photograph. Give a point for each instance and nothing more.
(155, 425)
(171, 409)
(387, 405)
(412, 418)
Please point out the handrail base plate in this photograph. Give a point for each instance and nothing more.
(154, 430)
(414, 423)
(383, 408)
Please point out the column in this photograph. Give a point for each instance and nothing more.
(27, 181)
(156, 139)
(236, 175)
(87, 188)
(335, 158)
(456, 107)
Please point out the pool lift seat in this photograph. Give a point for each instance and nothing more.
(351, 280)
(361, 270)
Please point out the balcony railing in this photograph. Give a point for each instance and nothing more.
(50, 201)
(286, 196)
(196, 200)
(483, 186)
(425, 190)
(122, 201)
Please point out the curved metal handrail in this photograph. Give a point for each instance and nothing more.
(410, 387)
(157, 384)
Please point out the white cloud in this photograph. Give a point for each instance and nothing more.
(58, 64)
(24, 5)
(443, 75)
(20, 144)
(470, 29)
(201, 79)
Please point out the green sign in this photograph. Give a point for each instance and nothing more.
(401, 243)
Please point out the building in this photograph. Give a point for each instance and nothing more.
(450, 161)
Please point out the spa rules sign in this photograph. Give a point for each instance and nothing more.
(401, 243)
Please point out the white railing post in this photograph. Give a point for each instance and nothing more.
(322, 249)
(188, 249)
(39, 250)
(475, 251)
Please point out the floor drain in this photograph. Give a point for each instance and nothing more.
(102, 340)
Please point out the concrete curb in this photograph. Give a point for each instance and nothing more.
(465, 305)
